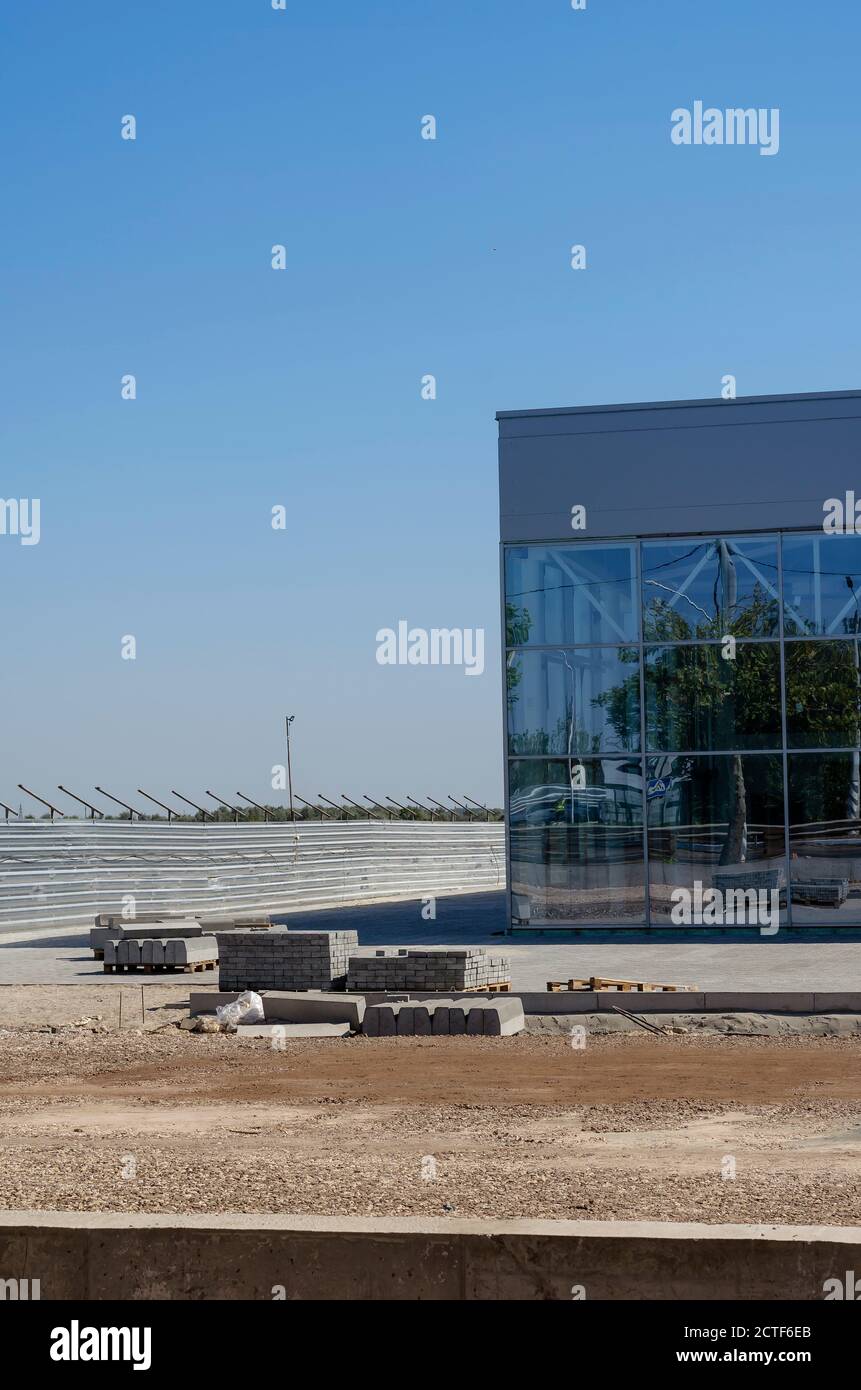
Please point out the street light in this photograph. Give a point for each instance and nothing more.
(288, 720)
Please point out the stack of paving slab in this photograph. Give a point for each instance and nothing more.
(155, 953)
(495, 1018)
(450, 968)
(284, 960)
(109, 927)
(115, 927)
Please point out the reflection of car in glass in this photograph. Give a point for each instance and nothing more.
(555, 804)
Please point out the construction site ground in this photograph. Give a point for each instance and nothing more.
(151, 1118)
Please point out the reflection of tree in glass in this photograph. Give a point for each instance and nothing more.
(674, 615)
(518, 621)
(569, 734)
(700, 699)
(822, 705)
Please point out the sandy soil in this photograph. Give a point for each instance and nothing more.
(631, 1126)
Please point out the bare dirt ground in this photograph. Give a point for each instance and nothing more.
(155, 1119)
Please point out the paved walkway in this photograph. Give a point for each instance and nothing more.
(720, 960)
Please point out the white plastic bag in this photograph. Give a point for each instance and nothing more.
(248, 1008)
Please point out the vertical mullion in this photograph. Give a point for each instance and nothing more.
(645, 812)
(784, 754)
(505, 764)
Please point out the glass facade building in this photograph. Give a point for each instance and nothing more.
(682, 709)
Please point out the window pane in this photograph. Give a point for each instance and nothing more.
(716, 822)
(822, 687)
(821, 578)
(825, 838)
(562, 594)
(585, 700)
(702, 589)
(698, 699)
(576, 840)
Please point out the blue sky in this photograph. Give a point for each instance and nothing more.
(302, 388)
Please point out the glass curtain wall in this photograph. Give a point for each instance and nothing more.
(683, 712)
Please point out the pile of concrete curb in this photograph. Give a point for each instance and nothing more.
(285, 960)
(453, 968)
(492, 1018)
(114, 927)
(109, 928)
(154, 953)
(283, 1006)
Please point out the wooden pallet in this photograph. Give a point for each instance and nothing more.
(192, 969)
(501, 987)
(601, 982)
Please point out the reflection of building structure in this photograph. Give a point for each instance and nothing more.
(682, 674)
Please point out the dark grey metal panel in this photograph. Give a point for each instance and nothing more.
(676, 414)
(678, 467)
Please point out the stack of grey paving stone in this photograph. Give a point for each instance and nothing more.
(451, 968)
(499, 1017)
(281, 959)
(826, 892)
(746, 876)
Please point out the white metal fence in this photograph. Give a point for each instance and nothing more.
(64, 874)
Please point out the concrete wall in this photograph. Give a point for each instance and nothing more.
(82, 1256)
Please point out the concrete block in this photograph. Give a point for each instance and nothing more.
(128, 952)
(755, 1001)
(116, 919)
(188, 926)
(190, 950)
(647, 1002)
(423, 1020)
(457, 1020)
(475, 1022)
(152, 952)
(110, 950)
(276, 1031)
(386, 1020)
(504, 1018)
(406, 1020)
(227, 922)
(325, 1007)
(207, 1001)
(835, 1002)
(439, 1020)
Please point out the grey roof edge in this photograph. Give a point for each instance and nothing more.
(680, 405)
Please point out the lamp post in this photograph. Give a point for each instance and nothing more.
(288, 720)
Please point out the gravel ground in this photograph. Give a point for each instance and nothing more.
(632, 1126)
